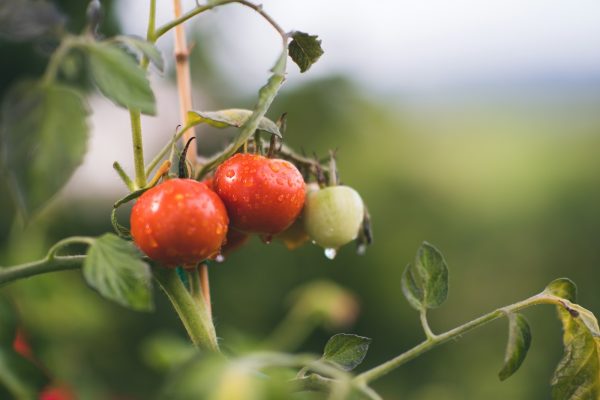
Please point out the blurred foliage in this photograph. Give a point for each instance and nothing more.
(508, 192)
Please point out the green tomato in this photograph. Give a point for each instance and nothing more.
(332, 216)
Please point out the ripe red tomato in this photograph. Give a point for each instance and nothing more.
(179, 222)
(262, 195)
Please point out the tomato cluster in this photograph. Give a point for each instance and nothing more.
(182, 222)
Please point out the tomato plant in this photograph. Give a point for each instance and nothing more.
(179, 222)
(262, 195)
(185, 222)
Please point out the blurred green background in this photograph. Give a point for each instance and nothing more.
(508, 188)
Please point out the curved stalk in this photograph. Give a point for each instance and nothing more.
(436, 340)
(57, 263)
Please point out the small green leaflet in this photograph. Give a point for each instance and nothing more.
(425, 282)
(119, 78)
(346, 350)
(144, 47)
(519, 340)
(305, 50)
(114, 268)
(233, 117)
(564, 288)
(43, 136)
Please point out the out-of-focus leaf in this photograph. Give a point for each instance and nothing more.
(577, 376)
(346, 350)
(519, 340)
(43, 136)
(563, 287)
(22, 20)
(425, 282)
(145, 47)
(8, 323)
(119, 77)
(305, 50)
(20, 376)
(164, 351)
(234, 117)
(114, 268)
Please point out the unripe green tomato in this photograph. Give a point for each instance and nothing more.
(332, 216)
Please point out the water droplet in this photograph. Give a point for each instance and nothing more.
(274, 167)
(248, 182)
(230, 173)
(219, 230)
(179, 197)
(361, 249)
(220, 258)
(330, 253)
(280, 198)
(266, 239)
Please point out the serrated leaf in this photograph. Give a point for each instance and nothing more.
(145, 47)
(577, 376)
(114, 268)
(519, 340)
(119, 77)
(564, 288)
(305, 50)
(425, 282)
(233, 117)
(43, 135)
(346, 350)
(22, 20)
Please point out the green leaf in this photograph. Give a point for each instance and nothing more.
(145, 47)
(346, 350)
(425, 282)
(305, 50)
(119, 77)
(266, 94)
(519, 340)
(19, 376)
(8, 322)
(564, 288)
(114, 268)
(577, 376)
(233, 117)
(22, 20)
(43, 136)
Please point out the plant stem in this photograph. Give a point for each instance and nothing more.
(205, 287)
(56, 263)
(59, 54)
(124, 177)
(193, 314)
(430, 343)
(138, 148)
(428, 333)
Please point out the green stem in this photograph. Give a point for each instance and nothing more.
(57, 57)
(430, 343)
(193, 314)
(290, 333)
(138, 148)
(124, 177)
(56, 263)
(150, 35)
(425, 324)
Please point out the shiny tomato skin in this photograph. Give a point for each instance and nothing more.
(179, 222)
(262, 195)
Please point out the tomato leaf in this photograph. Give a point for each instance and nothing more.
(266, 94)
(43, 135)
(119, 78)
(115, 269)
(144, 47)
(233, 117)
(564, 288)
(425, 282)
(346, 350)
(305, 50)
(577, 376)
(519, 340)
(19, 376)
(22, 20)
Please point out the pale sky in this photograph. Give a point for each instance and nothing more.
(406, 44)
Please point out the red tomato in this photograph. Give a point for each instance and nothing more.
(262, 195)
(21, 345)
(179, 222)
(57, 393)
